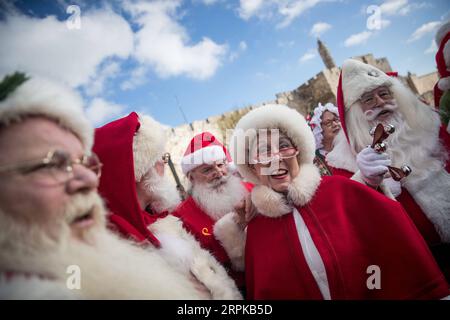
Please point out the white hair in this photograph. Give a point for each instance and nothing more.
(164, 193)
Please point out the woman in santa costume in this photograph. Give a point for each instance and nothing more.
(140, 198)
(325, 125)
(321, 238)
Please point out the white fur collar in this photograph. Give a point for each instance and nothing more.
(273, 204)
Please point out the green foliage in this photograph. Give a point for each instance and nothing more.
(10, 83)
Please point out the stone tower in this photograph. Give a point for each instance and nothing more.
(325, 55)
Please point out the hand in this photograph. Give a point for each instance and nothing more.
(373, 165)
(394, 186)
(245, 210)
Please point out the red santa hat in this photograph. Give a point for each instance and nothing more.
(128, 147)
(204, 148)
(22, 97)
(357, 78)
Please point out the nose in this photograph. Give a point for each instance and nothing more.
(380, 102)
(83, 180)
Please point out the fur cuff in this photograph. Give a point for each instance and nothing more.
(383, 187)
(232, 238)
(269, 203)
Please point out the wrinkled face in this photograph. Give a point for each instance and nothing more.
(378, 105)
(41, 194)
(283, 167)
(330, 125)
(215, 174)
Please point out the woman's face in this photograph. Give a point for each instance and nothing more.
(330, 125)
(277, 162)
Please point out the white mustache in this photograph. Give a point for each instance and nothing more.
(372, 114)
(81, 205)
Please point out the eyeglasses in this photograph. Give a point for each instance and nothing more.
(57, 164)
(284, 153)
(369, 100)
(329, 123)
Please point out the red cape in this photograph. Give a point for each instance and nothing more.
(353, 228)
(114, 146)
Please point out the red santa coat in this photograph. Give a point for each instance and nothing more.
(353, 228)
(201, 225)
(414, 211)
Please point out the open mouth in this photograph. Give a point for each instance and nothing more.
(383, 113)
(84, 220)
(279, 174)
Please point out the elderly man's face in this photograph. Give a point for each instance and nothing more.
(378, 105)
(40, 194)
(209, 173)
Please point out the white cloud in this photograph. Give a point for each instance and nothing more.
(71, 56)
(423, 30)
(311, 54)
(292, 9)
(432, 49)
(319, 28)
(106, 72)
(136, 78)
(394, 7)
(163, 44)
(284, 10)
(249, 8)
(358, 38)
(101, 111)
(235, 54)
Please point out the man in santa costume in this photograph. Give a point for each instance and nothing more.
(215, 191)
(54, 243)
(140, 197)
(322, 238)
(366, 97)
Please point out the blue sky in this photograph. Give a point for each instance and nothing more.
(205, 56)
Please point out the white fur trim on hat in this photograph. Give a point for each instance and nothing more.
(316, 120)
(359, 78)
(148, 145)
(442, 32)
(201, 156)
(42, 97)
(271, 116)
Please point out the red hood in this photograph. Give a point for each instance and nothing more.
(114, 146)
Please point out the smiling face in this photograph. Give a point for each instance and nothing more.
(378, 105)
(44, 196)
(330, 126)
(283, 167)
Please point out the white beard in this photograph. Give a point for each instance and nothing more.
(164, 193)
(111, 268)
(218, 201)
(412, 144)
